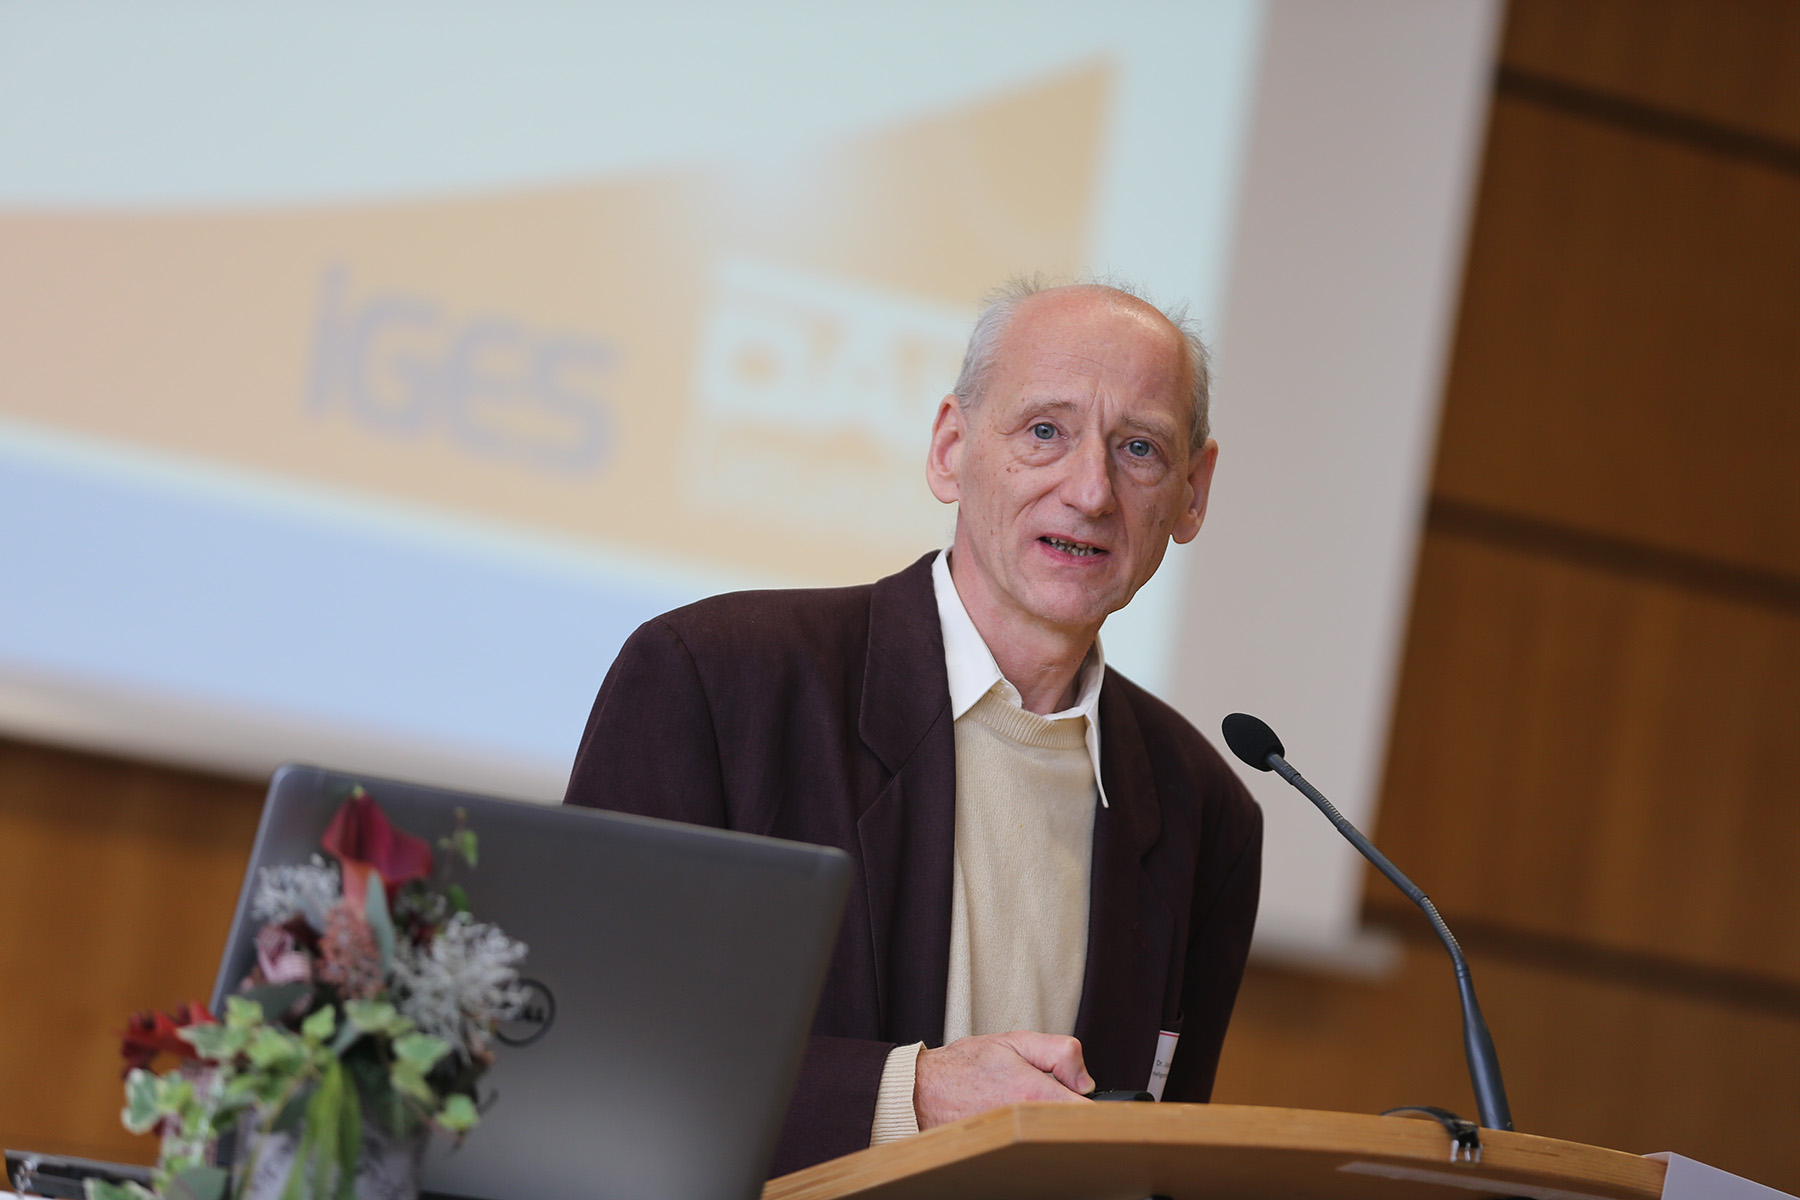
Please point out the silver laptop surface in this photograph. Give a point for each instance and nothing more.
(676, 970)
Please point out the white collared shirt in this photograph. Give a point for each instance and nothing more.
(974, 673)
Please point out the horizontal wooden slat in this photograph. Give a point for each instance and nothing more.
(118, 889)
(1585, 1060)
(1627, 360)
(1599, 757)
(1732, 61)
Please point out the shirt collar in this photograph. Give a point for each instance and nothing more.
(974, 673)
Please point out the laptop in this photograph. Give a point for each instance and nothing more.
(673, 972)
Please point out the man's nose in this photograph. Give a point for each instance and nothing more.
(1088, 484)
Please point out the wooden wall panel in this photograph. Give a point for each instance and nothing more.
(118, 889)
(1628, 356)
(1584, 754)
(1736, 62)
(1584, 1058)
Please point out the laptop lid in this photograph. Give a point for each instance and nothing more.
(674, 971)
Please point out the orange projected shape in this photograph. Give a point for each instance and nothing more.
(734, 366)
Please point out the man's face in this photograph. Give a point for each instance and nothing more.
(1073, 471)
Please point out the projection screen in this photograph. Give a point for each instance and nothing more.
(370, 372)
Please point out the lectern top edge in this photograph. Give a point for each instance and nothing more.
(1067, 1151)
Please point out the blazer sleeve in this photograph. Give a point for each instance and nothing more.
(1224, 914)
(651, 747)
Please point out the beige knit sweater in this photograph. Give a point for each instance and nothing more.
(1025, 798)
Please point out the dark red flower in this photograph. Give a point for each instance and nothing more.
(149, 1034)
(362, 840)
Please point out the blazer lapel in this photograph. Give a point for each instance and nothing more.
(1130, 927)
(907, 835)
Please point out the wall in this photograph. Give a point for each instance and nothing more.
(116, 894)
(1590, 764)
(1599, 691)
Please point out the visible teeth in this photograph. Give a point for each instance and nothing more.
(1078, 549)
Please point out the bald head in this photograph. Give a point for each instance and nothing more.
(1019, 297)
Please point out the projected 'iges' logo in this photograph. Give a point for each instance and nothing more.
(404, 367)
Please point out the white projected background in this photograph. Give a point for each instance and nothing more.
(369, 374)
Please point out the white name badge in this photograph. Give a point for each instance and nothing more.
(1159, 1066)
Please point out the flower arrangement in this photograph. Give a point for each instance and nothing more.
(372, 1004)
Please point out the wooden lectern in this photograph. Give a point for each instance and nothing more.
(1215, 1152)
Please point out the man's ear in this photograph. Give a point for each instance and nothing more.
(1199, 486)
(943, 461)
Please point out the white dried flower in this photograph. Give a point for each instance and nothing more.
(460, 983)
(309, 890)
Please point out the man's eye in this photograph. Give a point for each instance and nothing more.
(1043, 431)
(1139, 448)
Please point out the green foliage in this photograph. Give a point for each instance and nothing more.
(458, 1115)
(330, 1140)
(302, 1060)
(197, 1183)
(242, 1012)
(376, 1016)
(215, 1042)
(381, 922)
(414, 1056)
(461, 841)
(142, 1111)
(319, 1025)
(277, 1051)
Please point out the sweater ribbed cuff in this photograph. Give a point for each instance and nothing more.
(895, 1117)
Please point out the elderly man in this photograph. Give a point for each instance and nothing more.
(1057, 875)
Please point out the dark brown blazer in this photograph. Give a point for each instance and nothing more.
(824, 716)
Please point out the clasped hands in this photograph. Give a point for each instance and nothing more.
(974, 1074)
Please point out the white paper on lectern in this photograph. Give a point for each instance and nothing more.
(1690, 1180)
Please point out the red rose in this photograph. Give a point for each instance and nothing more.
(149, 1034)
(362, 840)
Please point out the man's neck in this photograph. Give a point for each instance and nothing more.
(1042, 661)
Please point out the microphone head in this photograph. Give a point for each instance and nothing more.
(1251, 740)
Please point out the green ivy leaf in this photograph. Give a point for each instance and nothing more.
(409, 1081)
(240, 1090)
(242, 1013)
(371, 1016)
(215, 1042)
(141, 1111)
(319, 1025)
(174, 1095)
(459, 899)
(376, 1016)
(466, 845)
(458, 1114)
(276, 1050)
(420, 1051)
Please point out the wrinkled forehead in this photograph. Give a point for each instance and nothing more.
(1094, 341)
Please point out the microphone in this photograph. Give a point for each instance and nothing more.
(1254, 742)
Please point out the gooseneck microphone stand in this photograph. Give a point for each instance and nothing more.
(1254, 742)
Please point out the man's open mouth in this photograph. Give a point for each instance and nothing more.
(1078, 549)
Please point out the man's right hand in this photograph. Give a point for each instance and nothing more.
(974, 1074)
